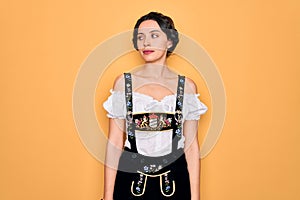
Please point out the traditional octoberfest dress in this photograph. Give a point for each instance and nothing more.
(153, 164)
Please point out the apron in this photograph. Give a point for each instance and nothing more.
(145, 177)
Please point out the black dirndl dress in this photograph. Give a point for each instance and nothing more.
(153, 178)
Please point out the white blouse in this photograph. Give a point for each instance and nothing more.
(153, 143)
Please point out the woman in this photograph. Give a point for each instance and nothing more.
(158, 111)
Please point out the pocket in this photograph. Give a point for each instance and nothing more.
(167, 184)
(138, 185)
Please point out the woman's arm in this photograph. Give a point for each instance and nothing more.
(113, 152)
(192, 156)
(190, 130)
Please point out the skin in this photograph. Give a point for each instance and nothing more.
(156, 72)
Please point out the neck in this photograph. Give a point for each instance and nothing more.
(155, 70)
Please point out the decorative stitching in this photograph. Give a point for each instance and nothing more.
(138, 188)
(167, 186)
(151, 122)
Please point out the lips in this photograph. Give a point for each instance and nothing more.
(147, 52)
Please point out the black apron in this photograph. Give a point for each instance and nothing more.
(153, 178)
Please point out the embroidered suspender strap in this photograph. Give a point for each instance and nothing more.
(129, 118)
(177, 132)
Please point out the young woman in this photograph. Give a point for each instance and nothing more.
(158, 112)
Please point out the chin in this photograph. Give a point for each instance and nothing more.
(152, 58)
(149, 60)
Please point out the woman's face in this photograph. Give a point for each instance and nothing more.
(152, 42)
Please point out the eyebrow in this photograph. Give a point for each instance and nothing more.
(155, 30)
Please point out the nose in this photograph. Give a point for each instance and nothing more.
(146, 42)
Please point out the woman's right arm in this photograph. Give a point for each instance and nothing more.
(113, 152)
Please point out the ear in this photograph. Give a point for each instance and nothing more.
(169, 44)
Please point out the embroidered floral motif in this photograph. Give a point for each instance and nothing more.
(139, 184)
(128, 97)
(178, 119)
(152, 168)
(153, 121)
(167, 184)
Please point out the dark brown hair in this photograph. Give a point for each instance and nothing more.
(165, 23)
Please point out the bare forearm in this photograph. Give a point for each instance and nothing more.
(109, 180)
(113, 154)
(110, 176)
(192, 155)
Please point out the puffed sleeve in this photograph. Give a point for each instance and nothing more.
(193, 107)
(115, 105)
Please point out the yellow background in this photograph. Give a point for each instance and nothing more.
(255, 45)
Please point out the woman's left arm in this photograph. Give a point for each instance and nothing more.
(192, 152)
(190, 130)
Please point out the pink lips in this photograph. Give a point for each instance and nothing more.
(147, 52)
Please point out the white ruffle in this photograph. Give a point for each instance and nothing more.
(193, 107)
(116, 108)
(115, 105)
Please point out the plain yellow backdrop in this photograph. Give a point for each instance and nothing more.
(255, 45)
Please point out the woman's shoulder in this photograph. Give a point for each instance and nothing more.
(190, 86)
(119, 83)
